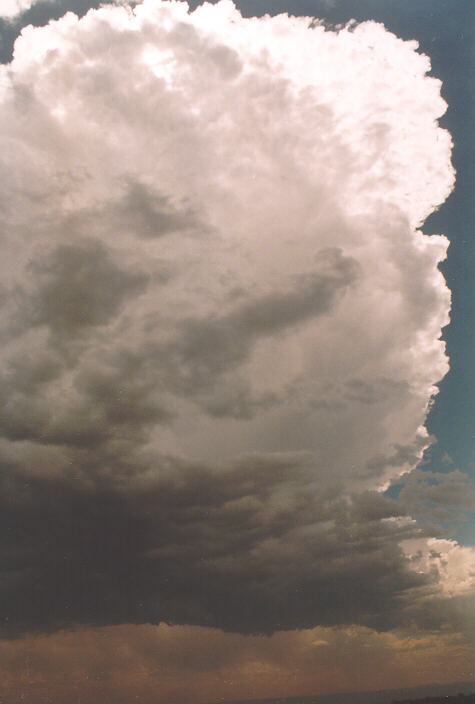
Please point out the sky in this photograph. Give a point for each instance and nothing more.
(236, 380)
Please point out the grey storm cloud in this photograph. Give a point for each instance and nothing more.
(220, 322)
(211, 346)
(78, 286)
(202, 547)
(438, 496)
(152, 215)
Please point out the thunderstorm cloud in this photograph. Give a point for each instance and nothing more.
(220, 323)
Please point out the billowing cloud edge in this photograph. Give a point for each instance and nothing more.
(118, 382)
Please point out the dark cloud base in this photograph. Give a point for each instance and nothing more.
(204, 548)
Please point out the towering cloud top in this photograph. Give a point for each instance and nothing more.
(219, 318)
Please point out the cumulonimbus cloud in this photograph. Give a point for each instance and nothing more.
(218, 315)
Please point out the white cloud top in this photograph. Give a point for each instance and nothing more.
(210, 254)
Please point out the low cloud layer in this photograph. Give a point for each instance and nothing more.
(221, 325)
(253, 548)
